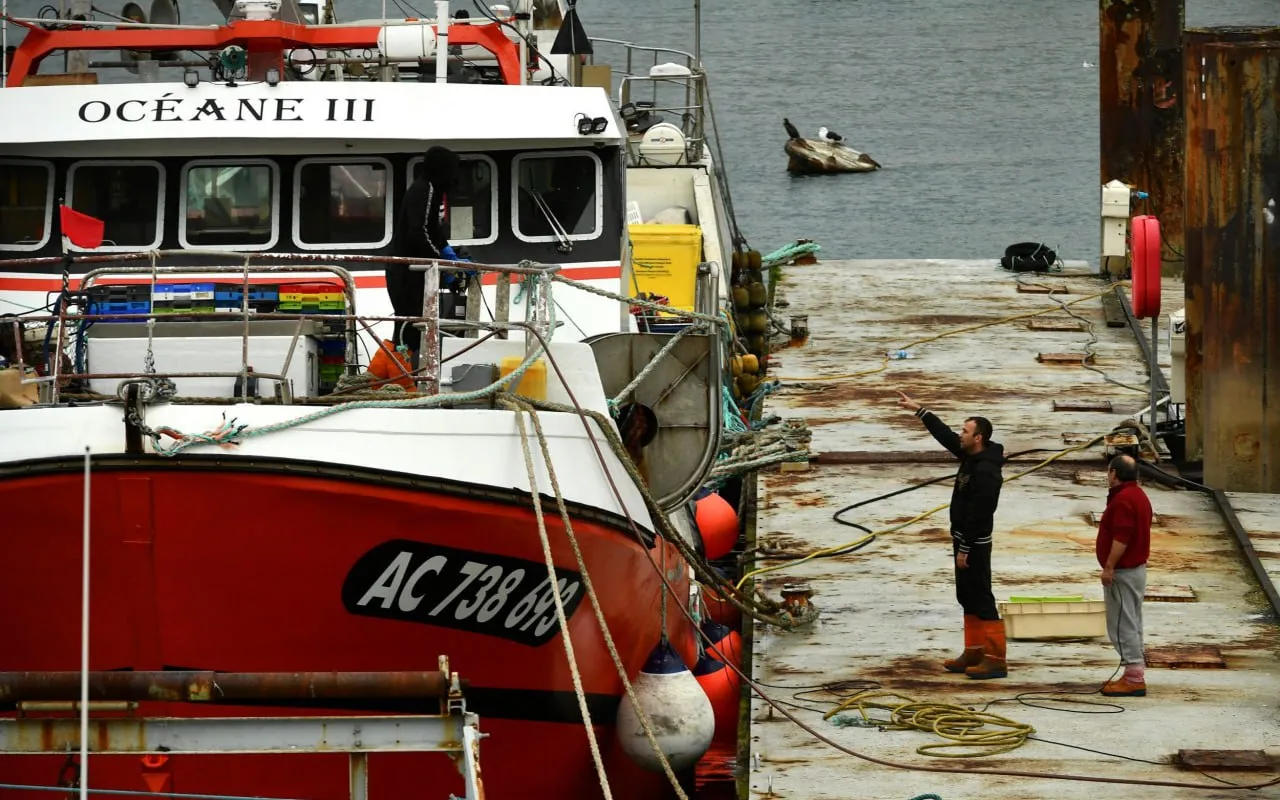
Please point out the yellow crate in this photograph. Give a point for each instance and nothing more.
(665, 261)
(1084, 619)
(532, 384)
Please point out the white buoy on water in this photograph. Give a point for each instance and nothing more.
(678, 709)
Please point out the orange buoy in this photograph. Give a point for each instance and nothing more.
(717, 525)
(722, 642)
(723, 687)
(720, 609)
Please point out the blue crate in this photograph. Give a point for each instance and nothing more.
(333, 347)
(119, 307)
(184, 291)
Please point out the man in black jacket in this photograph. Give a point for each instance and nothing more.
(973, 507)
(422, 231)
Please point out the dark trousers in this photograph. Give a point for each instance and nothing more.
(406, 288)
(973, 583)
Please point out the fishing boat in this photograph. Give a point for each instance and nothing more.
(194, 227)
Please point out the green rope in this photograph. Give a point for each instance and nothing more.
(789, 253)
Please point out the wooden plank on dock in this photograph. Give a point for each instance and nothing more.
(1065, 358)
(1082, 405)
(1251, 760)
(1039, 288)
(1186, 657)
(1065, 325)
(1113, 311)
(1170, 594)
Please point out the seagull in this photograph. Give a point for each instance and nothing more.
(830, 136)
(791, 129)
(1087, 65)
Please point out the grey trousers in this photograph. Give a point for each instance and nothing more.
(1124, 613)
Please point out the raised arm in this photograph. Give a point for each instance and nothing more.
(936, 427)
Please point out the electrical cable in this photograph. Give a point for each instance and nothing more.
(1093, 337)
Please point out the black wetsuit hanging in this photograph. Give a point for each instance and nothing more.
(422, 231)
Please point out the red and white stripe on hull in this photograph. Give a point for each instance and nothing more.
(264, 569)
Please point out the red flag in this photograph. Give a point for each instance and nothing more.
(83, 230)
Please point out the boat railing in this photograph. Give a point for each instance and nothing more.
(52, 720)
(647, 80)
(74, 314)
(65, 330)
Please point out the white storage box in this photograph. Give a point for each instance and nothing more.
(1077, 619)
(121, 347)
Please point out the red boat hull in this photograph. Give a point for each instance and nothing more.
(197, 567)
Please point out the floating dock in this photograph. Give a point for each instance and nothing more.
(888, 611)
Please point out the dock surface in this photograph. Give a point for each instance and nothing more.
(888, 611)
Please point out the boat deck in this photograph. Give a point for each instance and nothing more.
(888, 611)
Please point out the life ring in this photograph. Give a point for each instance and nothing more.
(1145, 249)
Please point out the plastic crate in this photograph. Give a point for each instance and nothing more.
(263, 298)
(122, 299)
(1054, 618)
(664, 260)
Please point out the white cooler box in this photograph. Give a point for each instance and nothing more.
(121, 347)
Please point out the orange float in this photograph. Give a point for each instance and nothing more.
(722, 642)
(723, 687)
(717, 524)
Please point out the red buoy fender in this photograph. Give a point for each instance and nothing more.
(1146, 244)
(717, 525)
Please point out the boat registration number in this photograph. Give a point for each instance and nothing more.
(511, 598)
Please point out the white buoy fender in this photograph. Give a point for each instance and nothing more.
(678, 709)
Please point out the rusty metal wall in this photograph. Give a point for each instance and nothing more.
(1139, 75)
(1233, 256)
(1194, 42)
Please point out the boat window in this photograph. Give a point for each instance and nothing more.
(127, 195)
(473, 204)
(342, 204)
(26, 204)
(229, 205)
(558, 197)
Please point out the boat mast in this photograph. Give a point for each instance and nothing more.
(697, 33)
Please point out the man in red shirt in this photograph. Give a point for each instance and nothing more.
(1124, 542)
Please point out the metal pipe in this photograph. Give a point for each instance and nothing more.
(430, 329)
(1154, 370)
(501, 302)
(36, 706)
(442, 41)
(358, 771)
(309, 266)
(22, 787)
(84, 640)
(244, 341)
(20, 345)
(222, 687)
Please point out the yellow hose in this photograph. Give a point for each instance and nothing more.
(969, 733)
